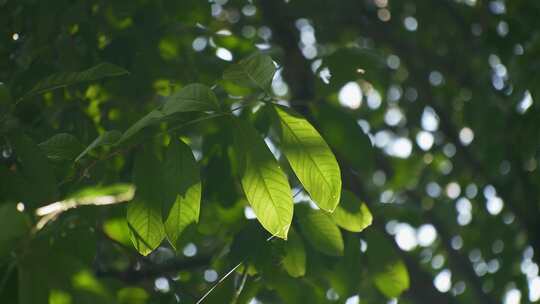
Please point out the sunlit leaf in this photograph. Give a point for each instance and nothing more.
(193, 97)
(265, 185)
(144, 212)
(294, 261)
(388, 271)
(106, 139)
(182, 170)
(319, 229)
(310, 158)
(61, 146)
(256, 70)
(352, 214)
(61, 80)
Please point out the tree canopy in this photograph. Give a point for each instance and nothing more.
(269, 151)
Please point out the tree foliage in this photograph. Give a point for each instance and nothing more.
(234, 151)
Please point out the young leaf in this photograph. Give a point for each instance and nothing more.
(144, 212)
(294, 261)
(193, 97)
(320, 231)
(183, 172)
(149, 119)
(310, 158)
(61, 80)
(61, 146)
(389, 273)
(108, 138)
(351, 214)
(256, 70)
(265, 185)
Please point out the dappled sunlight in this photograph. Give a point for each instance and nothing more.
(221, 151)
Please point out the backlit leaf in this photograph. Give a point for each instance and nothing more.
(310, 158)
(183, 172)
(294, 261)
(144, 212)
(265, 185)
(193, 97)
(319, 229)
(351, 214)
(389, 272)
(254, 71)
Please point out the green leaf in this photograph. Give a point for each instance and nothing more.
(151, 118)
(389, 273)
(320, 230)
(294, 261)
(108, 138)
(257, 70)
(310, 158)
(13, 226)
(193, 97)
(61, 146)
(264, 183)
(351, 214)
(61, 80)
(183, 172)
(34, 169)
(144, 212)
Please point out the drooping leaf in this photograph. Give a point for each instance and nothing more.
(144, 212)
(294, 261)
(151, 118)
(61, 80)
(351, 214)
(319, 229)
(254, 71)
(61, 146)
(13, 226)
(389, 272)
(34, 170)
(108, 138)
(310, 158)
(183, 171)
(264, 183)
(193, 97)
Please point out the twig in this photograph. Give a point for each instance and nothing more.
(206, 294)
(240, 287)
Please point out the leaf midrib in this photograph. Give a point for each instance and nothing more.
(267, 190)
(309, 155)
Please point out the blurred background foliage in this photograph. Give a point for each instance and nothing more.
(429, 106)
